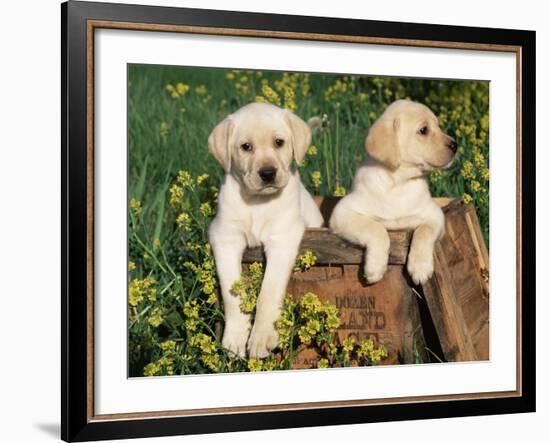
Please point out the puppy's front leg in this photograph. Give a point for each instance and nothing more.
(228, 253)
(420, 262)
(367, 232)
(281, 252)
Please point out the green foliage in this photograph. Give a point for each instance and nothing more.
(174, 315)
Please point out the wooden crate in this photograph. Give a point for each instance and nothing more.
(447, 318)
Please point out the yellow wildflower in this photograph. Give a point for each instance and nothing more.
(182, 88)
(271, 95)
(254, 365)
(290, 104)
(201, 89)
(139, 289)
(348, 344)
(176, 195)
(467, 198)
(135, 205)
(151, 369)
(312, 150)
(202, 178)
(340, 191)
(168, 345)
(205, 209)
(155, 318)
(164, 129)
(185, 179)
(467, 170)
(322, 363)
(305, 261)
(479, 159)
(184, 222)
(316, 179)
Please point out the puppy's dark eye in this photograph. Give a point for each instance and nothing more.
(423, 130)
(279, 142)
(246, 147)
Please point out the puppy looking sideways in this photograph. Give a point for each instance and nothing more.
(261, 202)
(390, 190)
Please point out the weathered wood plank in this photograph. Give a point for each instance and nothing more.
(457, 295)
(446, 312)
(386, 312)
(331, 249)
(467, 259)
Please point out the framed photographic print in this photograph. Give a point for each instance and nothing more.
(279, 221)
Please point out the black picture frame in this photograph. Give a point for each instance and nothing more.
(76, 422)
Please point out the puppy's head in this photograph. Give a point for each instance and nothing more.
(408, 134)
(257, 145)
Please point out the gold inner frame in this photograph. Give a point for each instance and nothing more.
(96, 24)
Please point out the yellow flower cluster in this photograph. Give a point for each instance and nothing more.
(202, 178)
(205, 209)
(305, 261)
(322, 363)
(184, 179)
(176, 195)
(269, 364)
(156, 317)
(339, 191)
(164, 129)
(242, 82)
(205, 274)
(316, 179)
(247, 288)
(285, 322)
(135, 206)
(168, 346)
(339, 88)
(367, 351)
(208, 348)
(312, 150)
(201, 90)
(290, 84)
(177, 91)
(191, 315)
(138, 290)
(184, 222)
(269, 94)
(164, 365)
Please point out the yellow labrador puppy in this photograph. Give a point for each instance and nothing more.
(261, 202)
(390, 190)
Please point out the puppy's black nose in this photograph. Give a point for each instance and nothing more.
(267, 174)
(453, 146)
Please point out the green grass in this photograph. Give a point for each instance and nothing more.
(168, 132)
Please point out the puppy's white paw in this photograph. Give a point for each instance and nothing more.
(420, 267)
(375, 270)
(235, 337)
(263, 339)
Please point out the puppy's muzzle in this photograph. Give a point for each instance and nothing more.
(267, 174)
(453, 146)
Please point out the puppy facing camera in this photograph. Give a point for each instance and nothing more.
(257, 145)
(261, 202)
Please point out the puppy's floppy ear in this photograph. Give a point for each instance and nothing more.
(301, 135)
(219, 143)
(382, 142)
